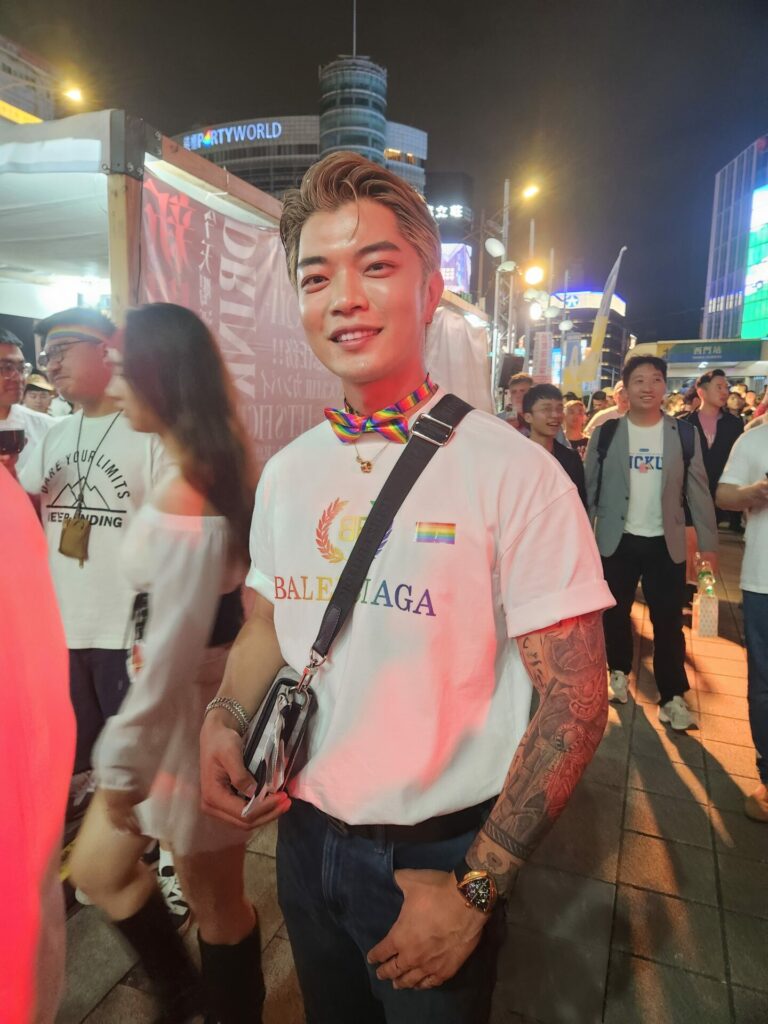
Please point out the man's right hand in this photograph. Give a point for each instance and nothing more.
(9, 461)
(758, 494)
(221, 768)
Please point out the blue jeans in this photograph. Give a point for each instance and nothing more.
(756, 630)
(339, 899)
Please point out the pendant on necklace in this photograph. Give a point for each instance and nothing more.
(365, 465)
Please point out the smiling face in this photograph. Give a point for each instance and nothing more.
(546, 417)
(364, 301)
(646, 388)
(12, 378)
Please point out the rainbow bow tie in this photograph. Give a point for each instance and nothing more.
(391, 422)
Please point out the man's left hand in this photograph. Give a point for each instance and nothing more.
(434, 934)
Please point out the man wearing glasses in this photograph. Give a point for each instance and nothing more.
(91, 472)
(13, 416)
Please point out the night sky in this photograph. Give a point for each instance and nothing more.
(622, 109)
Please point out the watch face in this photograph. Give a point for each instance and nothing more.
(480, 892)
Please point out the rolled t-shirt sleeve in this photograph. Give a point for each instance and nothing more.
(738, 469)
(550, 569)
(261, 575)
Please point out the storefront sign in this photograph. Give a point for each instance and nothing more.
(229, 134)
(714, 352)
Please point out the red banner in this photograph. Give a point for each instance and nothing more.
(232, 274)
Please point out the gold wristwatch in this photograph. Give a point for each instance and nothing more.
(477, 887)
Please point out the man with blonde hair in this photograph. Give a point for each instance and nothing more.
(407, 821)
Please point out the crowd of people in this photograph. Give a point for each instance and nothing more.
(464, 697)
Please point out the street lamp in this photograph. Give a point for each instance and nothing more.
(534, 274)
(530, 191)
(74, 94)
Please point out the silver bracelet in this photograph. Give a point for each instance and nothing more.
(235, 708)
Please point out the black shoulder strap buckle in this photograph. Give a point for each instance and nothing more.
(433, 430)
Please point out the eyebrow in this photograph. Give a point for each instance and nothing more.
(314, 261)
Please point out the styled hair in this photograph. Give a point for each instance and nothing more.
(634, 361)
(519, 378)
(172, 362)
(539, 392)
(341, 178)
(708, 377)
(83, 316)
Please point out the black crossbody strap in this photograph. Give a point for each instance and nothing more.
(430, 432)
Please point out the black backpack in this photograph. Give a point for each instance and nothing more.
(686, 432)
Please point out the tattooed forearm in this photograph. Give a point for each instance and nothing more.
(567, 666)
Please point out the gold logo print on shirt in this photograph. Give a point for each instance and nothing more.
(349, 531)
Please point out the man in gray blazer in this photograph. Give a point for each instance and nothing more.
(636, 506)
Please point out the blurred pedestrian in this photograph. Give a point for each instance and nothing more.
(187, 549)
(611, 412)
(37, 742)
(575, 416)
(14, 372)
(543, 412)
(718, 432)
(518, 385)
(38, 393)
(598, 401)
(640, 528)
(744, 488)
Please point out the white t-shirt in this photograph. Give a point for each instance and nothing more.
(748, 463)
(424, 696)
(646, 459)
(35, 424)
(95, 600)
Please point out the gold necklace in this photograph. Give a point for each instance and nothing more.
(366, 465)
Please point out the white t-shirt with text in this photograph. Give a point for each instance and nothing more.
(646, 461)
(424, 696)
(95, 599)
(748, 463)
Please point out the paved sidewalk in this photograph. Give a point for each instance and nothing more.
(646, 904)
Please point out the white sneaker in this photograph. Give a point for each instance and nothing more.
(619, 684)
(677, 714)
(172, 894)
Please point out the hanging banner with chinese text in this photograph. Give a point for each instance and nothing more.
(232, 274)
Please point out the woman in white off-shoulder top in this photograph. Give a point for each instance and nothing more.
(185, 554)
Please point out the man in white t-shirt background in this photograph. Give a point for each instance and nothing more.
(613, 412)
(94, 464)
(487, 585)
(636, 491)
(14, 416)
(744, 488)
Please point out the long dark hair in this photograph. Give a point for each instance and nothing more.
(173, 363)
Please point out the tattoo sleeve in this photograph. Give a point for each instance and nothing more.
(567, 665)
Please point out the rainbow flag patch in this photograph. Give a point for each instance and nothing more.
(435, 533)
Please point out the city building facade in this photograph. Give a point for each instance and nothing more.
(736, 299)
(273, 153)
(28, 85)
(581, 307)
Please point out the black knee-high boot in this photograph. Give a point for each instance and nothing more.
(233, 980)
(174, 977)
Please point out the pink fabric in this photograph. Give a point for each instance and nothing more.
(37, 740)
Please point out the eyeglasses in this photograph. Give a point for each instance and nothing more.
(57, 352)
(9, 368)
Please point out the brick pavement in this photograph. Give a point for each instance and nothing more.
(648, 901)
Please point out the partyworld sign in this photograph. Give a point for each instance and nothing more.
(229, 134)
